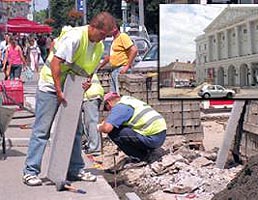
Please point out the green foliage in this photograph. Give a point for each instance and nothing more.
(151, 15)
(59, 12)
(96, 6)
(40, 16)
(60, 8)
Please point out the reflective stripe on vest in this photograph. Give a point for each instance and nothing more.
(80, 66)
(95, 90)
(145, 119)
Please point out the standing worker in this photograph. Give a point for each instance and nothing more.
(77, 51)
(122, 55)
(92, 99)
(135, 127)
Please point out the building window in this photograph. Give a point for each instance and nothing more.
(256, 27)
(223, 37)
(205, 46)
(214, 40)
(244, 30)
(233, 34)
(200, 47)
(205, 59)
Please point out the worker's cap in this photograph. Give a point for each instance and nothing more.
(109, 96)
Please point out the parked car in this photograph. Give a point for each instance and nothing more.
(149, 61)
(153, 38)
(215, 91)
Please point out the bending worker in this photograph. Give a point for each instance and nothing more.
(78, 51)
(90, 107)
(135, 127)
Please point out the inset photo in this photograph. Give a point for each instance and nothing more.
(208, 51)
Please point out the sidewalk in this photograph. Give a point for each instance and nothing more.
(17, 138)
(12, 187)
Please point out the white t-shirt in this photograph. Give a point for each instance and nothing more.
(67, 47)
(3, 47)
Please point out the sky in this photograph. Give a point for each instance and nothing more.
(179, 25)
(40, 4)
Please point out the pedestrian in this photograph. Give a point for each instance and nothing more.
(77, 51)
(90, 107)
(122, 55)
(33, 55)
(14, 60)
(3, 47)
(135, 127)
(49, 40)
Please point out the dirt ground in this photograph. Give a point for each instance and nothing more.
(244, 186)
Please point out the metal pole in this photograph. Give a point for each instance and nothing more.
(133, 14)
(84, 12)
(124, 12)
(49, 9)
(34, 10)
(141, 13)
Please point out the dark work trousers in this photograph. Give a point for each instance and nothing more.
(134, 144)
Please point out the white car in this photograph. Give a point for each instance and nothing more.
(215, 91)
(149, 61)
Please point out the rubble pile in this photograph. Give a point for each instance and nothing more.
(183, 173)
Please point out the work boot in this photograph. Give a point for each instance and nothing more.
(31, 180)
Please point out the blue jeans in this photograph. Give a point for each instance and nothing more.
(90, 120)
(134, 144)
(114, 84)
(46, 108)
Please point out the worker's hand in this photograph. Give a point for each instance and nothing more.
(98, 127)
(124, 69)
(61, 99)
(86, 85)
(106, 58)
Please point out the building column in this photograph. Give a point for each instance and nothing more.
(226, 43)
(217, 46)
(208, 49)
(237, 41)
(249, 37)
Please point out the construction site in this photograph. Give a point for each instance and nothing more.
(205, 156)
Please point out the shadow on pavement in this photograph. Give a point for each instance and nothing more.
(11, 153)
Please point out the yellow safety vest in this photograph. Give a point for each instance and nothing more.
(145, 119)
(80, 65)
(95, 91)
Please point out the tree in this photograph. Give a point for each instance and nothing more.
(75, 17)
(40, 16)
(151, 15)
(59, 13)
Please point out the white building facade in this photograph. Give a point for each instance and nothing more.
(227, 54)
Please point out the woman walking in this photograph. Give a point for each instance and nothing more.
(14, 57)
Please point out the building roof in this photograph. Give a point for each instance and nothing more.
(230, 16)
(179, 66)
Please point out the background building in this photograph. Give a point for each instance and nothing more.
(227, 54)
(177, 73)
(11, 9)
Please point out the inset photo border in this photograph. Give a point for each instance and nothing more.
(208, 51)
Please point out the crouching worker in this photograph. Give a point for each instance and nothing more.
(134, 126)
